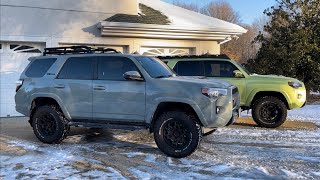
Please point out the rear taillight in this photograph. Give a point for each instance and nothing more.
(19, 85)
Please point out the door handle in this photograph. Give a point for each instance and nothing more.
(59, 86)
(99, 88)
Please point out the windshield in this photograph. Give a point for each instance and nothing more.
(155, 67)
(245, 69)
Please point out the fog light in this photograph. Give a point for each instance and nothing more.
(300, 96)
(218, 110)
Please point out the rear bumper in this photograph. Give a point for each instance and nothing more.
(23, 110)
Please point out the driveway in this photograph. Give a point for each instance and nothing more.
(241, 151)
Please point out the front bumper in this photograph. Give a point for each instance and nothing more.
(298, 98)
(223, 111)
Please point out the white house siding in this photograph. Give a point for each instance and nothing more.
(47, 23)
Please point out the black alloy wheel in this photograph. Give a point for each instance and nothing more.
(269, 112)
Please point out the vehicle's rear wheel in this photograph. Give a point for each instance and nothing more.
(269, 112)
(177, 134)
(49, 124)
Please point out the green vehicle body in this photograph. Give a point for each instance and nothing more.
(253, 86)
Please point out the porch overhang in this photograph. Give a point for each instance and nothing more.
(154, 31)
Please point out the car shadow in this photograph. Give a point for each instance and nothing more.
(140, 140)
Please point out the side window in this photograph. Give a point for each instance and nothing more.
(113, 68)
(219, 69)
(189, 68)
(80, 68)
(39, 67)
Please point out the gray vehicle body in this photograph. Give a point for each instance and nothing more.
(133, 102)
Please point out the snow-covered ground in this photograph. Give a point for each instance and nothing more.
(230, 153)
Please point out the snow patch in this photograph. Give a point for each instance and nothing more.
(290, 174)
(94, 174)
(133, 154)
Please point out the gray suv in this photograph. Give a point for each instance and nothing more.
(101, 88)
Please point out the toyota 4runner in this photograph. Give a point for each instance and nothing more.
(269, 96)
(100, 88)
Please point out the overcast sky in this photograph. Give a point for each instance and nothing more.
(249, 10)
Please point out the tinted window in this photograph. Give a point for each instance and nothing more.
(77, 68)
(189, 68)
(113, 68)
(219, 69)
(39, 67)
(155, 67)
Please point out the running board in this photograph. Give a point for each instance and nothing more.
(108, 126)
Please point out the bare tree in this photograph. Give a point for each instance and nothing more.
(221, 9)
(185, 5)
(241, 49)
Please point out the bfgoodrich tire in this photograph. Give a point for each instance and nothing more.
(269, 112)
(49, 124)
(177, 134)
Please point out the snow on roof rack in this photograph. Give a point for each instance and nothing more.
(77, 50)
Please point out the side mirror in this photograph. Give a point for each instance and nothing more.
(238, 74)
(133, 75)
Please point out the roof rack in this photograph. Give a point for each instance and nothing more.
(216, 56)
(77, 50)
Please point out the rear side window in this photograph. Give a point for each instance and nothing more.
(113, 68)
(39, 67)
(79, 68)
(189, 68)
(219, 69)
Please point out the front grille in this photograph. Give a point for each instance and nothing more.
(235, 90)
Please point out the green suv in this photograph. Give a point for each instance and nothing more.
(269, 96)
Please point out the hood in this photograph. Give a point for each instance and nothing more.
(273, 77)
(210, 83)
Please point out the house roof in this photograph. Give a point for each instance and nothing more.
(148, 15)
(185, 18)
(159, 19)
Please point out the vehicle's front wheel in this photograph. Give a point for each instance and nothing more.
(177, 134)
(49, 124)
(269, 112)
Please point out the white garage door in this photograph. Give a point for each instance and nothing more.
(13, 60)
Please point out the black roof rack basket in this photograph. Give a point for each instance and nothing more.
(216, 56)
(76, 50)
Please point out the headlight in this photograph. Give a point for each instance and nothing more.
(295, 85)
(214, 92)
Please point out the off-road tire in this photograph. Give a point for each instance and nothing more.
(188, 126)
(50, 115)
(278, 107)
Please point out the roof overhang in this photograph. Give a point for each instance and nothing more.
(136, 30)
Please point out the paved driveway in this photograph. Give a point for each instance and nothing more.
(241, 151)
